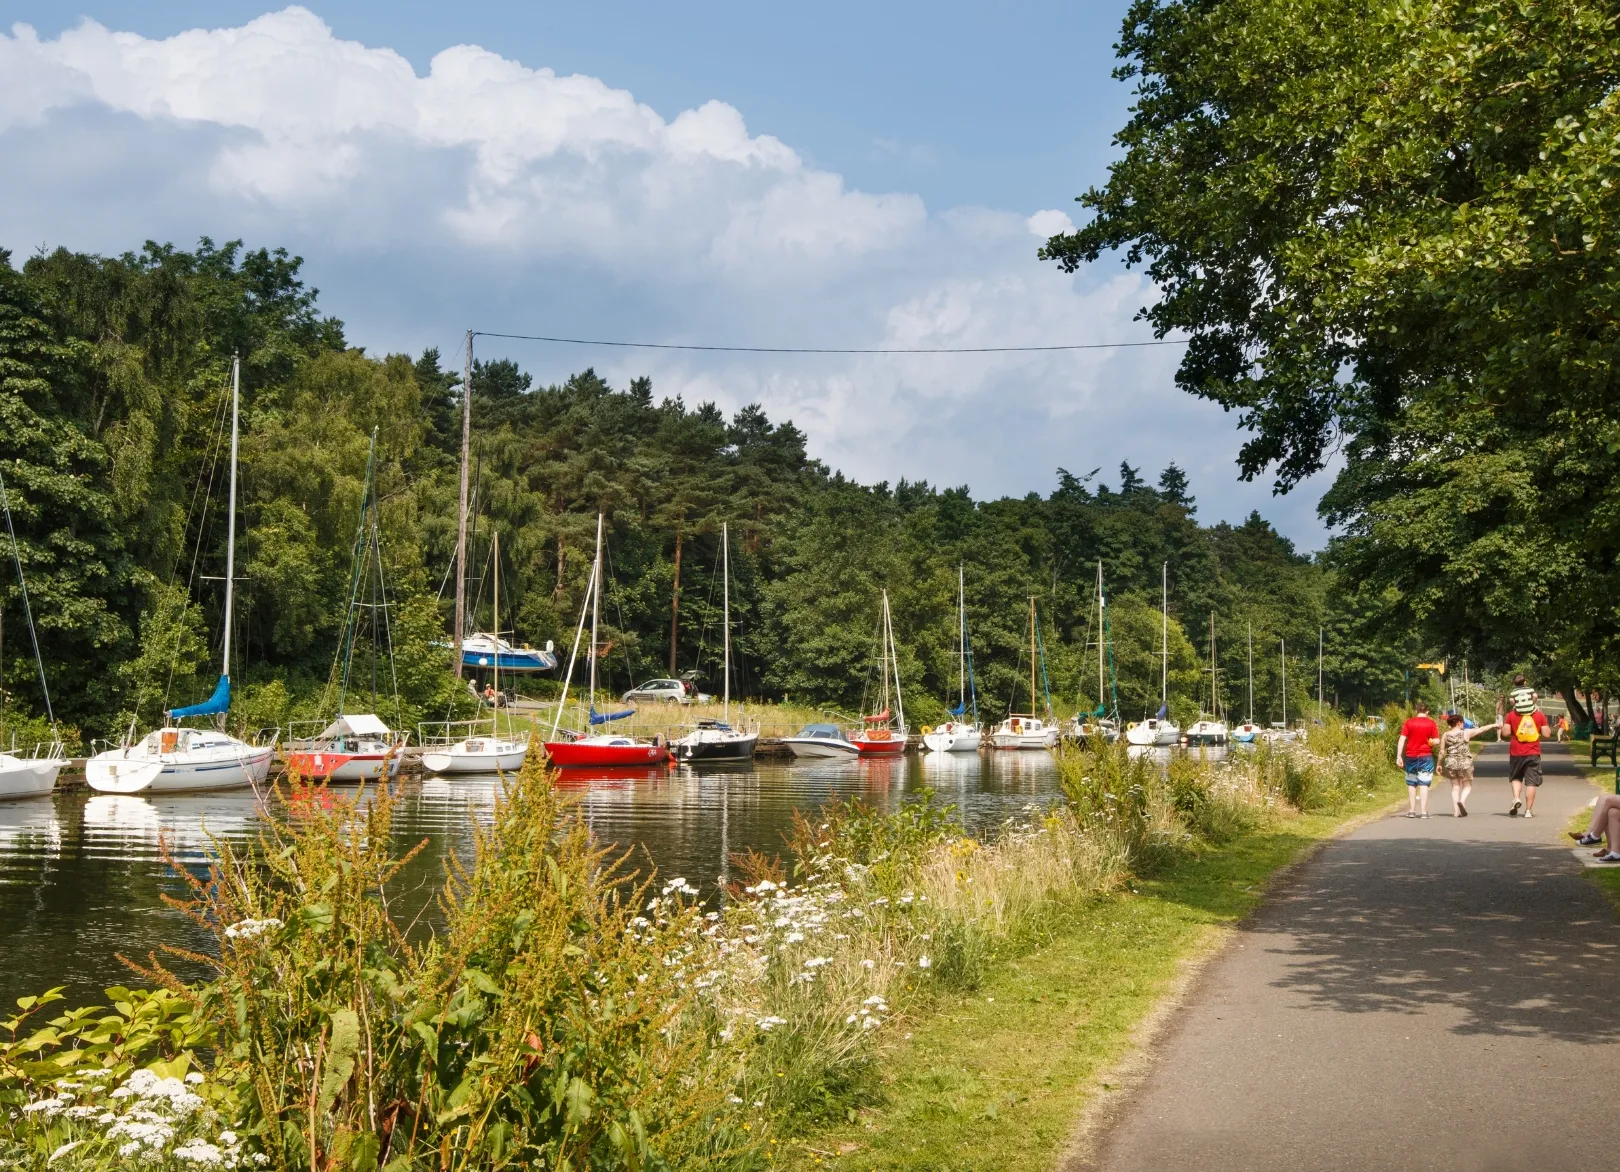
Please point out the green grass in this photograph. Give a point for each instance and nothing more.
(998, 1079)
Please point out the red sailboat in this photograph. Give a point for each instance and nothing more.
(598, 750)
(883, 734)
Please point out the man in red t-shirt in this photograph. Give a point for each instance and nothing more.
(1414, 752)
(1524, 732)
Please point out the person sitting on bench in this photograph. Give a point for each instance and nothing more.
(1605, 824)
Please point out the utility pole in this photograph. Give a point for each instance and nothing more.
(461, 528)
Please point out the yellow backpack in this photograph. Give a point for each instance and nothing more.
(1528, 731)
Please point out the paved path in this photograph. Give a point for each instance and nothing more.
(1440, 994)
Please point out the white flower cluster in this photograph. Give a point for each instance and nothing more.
(147, 1117)
(248, 929)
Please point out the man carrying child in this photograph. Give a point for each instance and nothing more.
(1524, 727)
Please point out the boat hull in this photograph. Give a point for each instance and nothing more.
(891, 746)
(740, 748)
(21, 777)
(331, 766)
(511, 662)
(953, 738)
(1025, 741)
(113, 772)
(819, 747)
(459, 759)
(582, 755)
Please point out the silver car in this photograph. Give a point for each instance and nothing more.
(655, 691)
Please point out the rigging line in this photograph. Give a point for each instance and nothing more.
(28, 611)
(834, 349)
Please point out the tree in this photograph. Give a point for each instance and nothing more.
(1392, 228)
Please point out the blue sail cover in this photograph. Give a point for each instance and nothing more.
(220, 701)
(604, 717)
(959, 709)
(1164, 711)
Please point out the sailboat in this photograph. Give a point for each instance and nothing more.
(1211, 730)
(1098, 723)
(1026, 730)
(355, 746)
(33, 776)
(1159, 729)
(1279, 730)
(1245, 733)
(173, 759)
(954, 736)
(884, 733)
(476, 752)
(596, 749)
(716, 740)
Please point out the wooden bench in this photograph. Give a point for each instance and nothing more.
(1606, 746)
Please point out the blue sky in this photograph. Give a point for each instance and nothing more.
(839, 174)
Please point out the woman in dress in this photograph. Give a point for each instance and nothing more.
(1457, 761)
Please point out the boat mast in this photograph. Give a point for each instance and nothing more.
(1164, 636)
(596, 607)
(894, 660)
(1100, 700)
(961, 635)
(1251, 671)
(28, 612)
(573, 656)
(725, 614)
(1319, 675)
(230, 531)
(495, 653)
(1032, 655)
(1285, 682)
(461, 524)
(1214, 692)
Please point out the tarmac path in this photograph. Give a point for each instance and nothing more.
(1439, 994)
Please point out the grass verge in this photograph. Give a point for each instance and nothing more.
(998, 1078)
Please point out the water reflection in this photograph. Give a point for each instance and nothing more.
(81, 875)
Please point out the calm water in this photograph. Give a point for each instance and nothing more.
(81, 878)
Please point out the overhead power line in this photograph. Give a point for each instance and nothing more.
(832, 349)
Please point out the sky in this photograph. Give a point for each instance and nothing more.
(839, 175)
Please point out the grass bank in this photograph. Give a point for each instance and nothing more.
(999, 1077)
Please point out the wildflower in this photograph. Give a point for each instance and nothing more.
(248, 929)
(194, 1078)
(767, 1024)
(923, 962)
(868, 964)
(816, 962)
(199, 1152)
(228, 1138)
(734, 1100)
(50, 1107)
(870, 1023)
(875, 1000)
(63, 1150)
(794, 937)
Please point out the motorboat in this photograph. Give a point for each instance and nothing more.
(820, 740)
(354, 747)
(476, 753)
(1090, 727)
(33, 776)
(491, 652)
(715, 740)
(953, 737)
(1207, 732)
(179, 760)
(1024, 732)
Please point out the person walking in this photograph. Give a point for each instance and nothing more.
(1524, 732)
(1414, 752)
(1457, 760)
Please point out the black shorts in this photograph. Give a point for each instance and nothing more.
(1526, 769)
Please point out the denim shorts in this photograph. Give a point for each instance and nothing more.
(1419, 770)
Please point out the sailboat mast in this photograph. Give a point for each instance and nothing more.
(1164, 635)
(495, 654)
(725, 614)
(1319, 675)
(596, 607)
(894, 660)
(961, 635)
(1032, 655)
(1285, 681)
(1251, 671)
(1100, 700)
(230, 532)
(461, 523)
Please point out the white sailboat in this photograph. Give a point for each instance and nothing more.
(1026, 731)
(717, 740)
(1098, 723)
(1210, 730)
(956, 736)
(33, 776)
(179, 760)
(477, 752)
(1245, 733)
(1160, 729)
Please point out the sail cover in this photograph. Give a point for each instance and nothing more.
(1164, 711)
(220, 701)
(604, 717)
(958, 710)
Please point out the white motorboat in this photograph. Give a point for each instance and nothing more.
(185, 760)
(820, 740)
(1024, 732)
(476, 754)
(179, 760)
(953, 737)
(30, 777)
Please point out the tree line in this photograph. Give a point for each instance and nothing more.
(114, 375)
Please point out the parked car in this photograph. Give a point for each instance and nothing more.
(658, 691)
